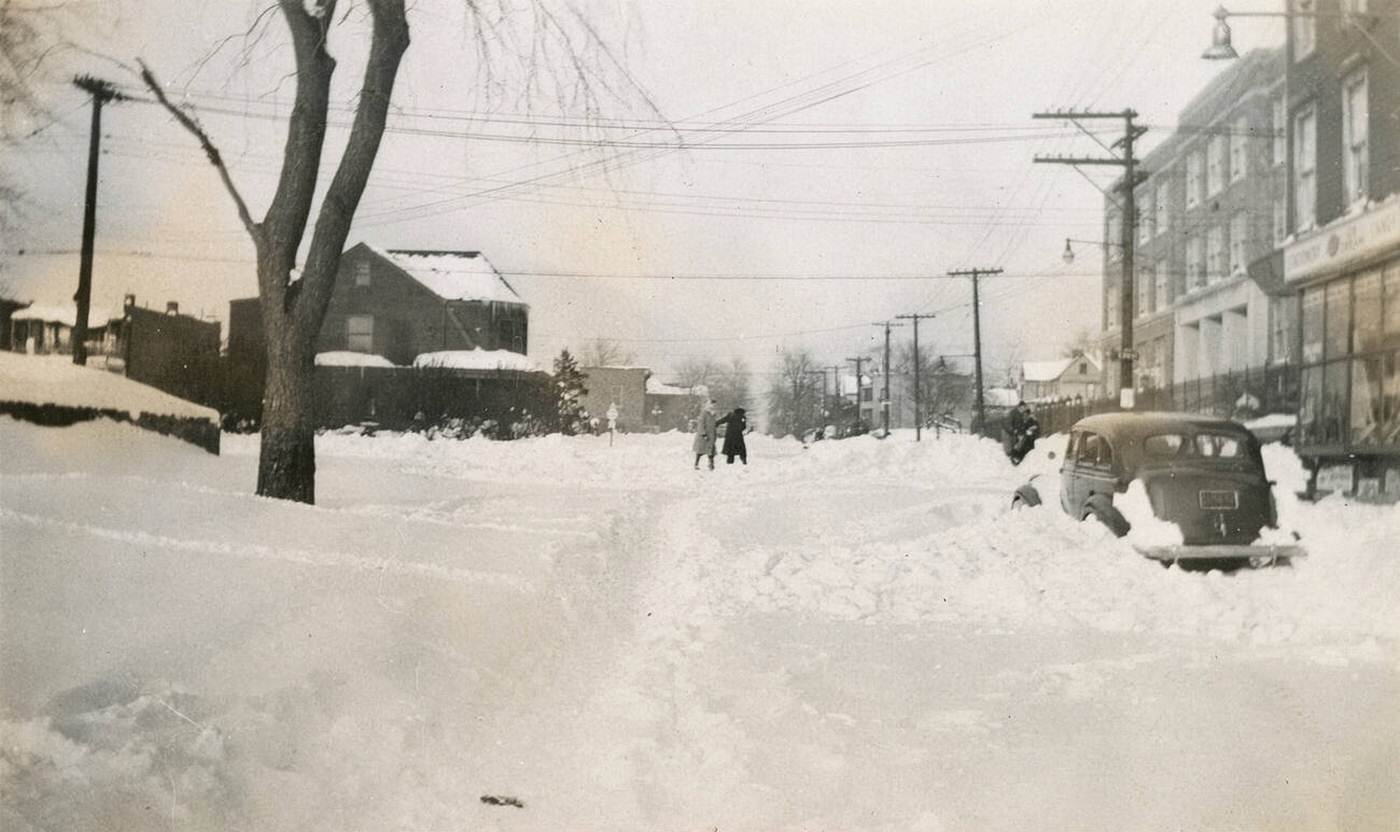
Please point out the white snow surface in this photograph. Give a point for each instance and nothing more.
(859, 635)
(345, 358)
(477, 359)
(454, 275)
(55, 379)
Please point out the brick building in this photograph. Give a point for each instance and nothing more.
(1212, 203)
(1341, 264)
(625, 387)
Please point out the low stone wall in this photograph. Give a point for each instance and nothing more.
(200, 432)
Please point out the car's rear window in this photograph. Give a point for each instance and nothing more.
(1219, 446)
(1163, 445)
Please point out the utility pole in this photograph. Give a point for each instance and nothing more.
(885, 402)
(859, 362)
(834, 405)
(101, 92)
(977, 337)
(918, 401)
(1131, 179)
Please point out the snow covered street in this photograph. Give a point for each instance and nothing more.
(858, 635)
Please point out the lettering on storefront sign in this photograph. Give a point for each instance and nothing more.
(1334, 247)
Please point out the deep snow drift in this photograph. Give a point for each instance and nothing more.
(858, 635)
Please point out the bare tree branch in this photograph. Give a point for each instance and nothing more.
(215, 158)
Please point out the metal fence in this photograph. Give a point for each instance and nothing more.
(1242, 395)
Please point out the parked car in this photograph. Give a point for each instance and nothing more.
(1202, 473)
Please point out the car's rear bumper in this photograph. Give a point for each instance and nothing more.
(1223, 552)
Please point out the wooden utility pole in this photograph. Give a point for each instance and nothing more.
(1128, 185)
(977, 338)
(101, 92)
(885, 402)
(918, 400)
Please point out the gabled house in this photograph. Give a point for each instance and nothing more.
(1063, 378)
(402, 303)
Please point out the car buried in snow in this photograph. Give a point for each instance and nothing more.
(1202, 474)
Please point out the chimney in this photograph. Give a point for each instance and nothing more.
(172, 307)
(129, 302)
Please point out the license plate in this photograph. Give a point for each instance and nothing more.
(1220, 500)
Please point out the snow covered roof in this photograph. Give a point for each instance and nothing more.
(345, 358)
(453, 275)
(657, 388)
(477, 359)
(1045, 370)
(57, 380)
(1000, 397)
(66, 315)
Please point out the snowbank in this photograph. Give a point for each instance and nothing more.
(477, 359)
(343, 358)
(56, 380)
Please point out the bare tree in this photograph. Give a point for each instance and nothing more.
(794, 405)
(28, 33)
(731, 385)
(697, 373)
(605, 352)
(566, 46)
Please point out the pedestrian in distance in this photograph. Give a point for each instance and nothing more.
(704, 444)
(736, 424)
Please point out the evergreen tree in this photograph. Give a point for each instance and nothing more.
(569, 390)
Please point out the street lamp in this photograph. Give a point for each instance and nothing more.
(1221, 49)
(1068, 255)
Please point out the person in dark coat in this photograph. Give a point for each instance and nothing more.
(736, 424)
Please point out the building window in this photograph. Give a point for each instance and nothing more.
(359, 333)
(1193, 179)
(1239, 149)
(1215, 166)
(1146, 218)
(1160, 285)
(1304, 29)
(1143, 292)
(1337, 339)
(1280, 134)
(1280, 348)
(1280, 208)
(1163, 208)
(1113, 238)
(1239, 236)
(1355, 135)
(1312, 325)
(1215, 254)
(1305, 169)
(362, 273)
(1367, 313)
(1195, 263)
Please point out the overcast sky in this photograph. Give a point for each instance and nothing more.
(893, 138)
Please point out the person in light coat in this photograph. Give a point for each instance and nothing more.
(704, 444)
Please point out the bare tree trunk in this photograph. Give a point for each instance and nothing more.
(287, 461)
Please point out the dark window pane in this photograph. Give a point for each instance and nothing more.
(1368, 311)
(1334, 401)
(1338, 318)
(1312, 325)
(1310, 405)
(1390, 429)
(1366, 401)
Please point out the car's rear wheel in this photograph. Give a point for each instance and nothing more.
(1100, 509)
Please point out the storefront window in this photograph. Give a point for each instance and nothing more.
(1312, 325)
(1334, 401)
(1310, 406)
(1338, 318)
(1391, 325)
(1366, 415)
(1368, 311)
(1390, 423)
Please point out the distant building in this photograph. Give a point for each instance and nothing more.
(622, 387)
(170, 351)
(42, 330)
(669, 407)
(1211, 204)
(1062, 378)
